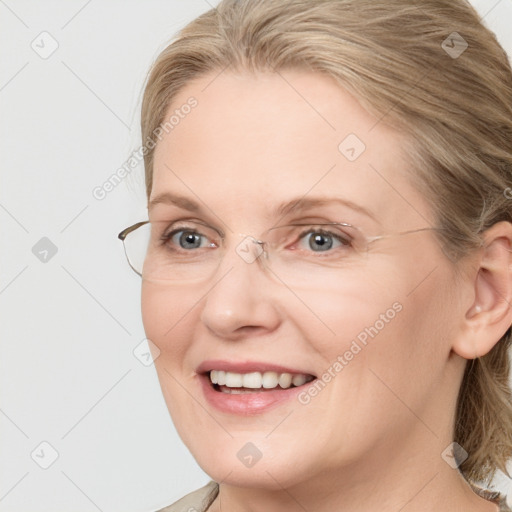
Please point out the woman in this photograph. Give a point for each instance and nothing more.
(328, 276)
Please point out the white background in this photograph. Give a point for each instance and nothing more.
(69, 325)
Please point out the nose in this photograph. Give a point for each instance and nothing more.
(242, 298)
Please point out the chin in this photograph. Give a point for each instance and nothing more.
(249, 460)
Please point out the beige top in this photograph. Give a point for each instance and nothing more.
(201, 499)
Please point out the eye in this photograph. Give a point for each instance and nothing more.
(321, 240)
(185, 238)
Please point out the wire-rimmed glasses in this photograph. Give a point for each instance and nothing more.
(301, 254)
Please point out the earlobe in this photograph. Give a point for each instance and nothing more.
(490, 315)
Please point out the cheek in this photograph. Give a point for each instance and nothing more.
(408, 356)
(383, 322)
(166, 319)
(153, 317)
(350, 313)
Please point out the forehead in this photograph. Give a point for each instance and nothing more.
(258, 140)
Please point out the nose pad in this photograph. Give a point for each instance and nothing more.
(250, 249)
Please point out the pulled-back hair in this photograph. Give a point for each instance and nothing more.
(407, 63)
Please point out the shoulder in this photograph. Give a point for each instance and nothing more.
(196, 501)
(200, 499)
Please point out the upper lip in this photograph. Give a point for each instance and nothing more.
(246, 367)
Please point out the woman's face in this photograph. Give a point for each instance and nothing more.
(375, 330)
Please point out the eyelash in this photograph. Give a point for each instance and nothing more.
(345, 240)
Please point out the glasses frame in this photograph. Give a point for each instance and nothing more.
(125, 232)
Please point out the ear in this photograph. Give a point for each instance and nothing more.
(490, 315)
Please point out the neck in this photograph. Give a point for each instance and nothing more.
(416, 478)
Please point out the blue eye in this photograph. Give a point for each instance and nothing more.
(323, 241)
(185, 239)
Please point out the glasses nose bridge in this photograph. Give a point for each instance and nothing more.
(250, 248)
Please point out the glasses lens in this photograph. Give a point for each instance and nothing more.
(313, 255)
(135, 246)
(302, 255)
(173, 250)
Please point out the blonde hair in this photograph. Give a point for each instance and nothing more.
(454, 109)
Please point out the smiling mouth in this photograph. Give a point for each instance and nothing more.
(255, 382)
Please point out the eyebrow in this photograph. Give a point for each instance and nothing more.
(297, 204)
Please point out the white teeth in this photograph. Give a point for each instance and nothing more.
(252, 380)
(221, 378)
(298, 380)
(256, 380)
(285, 380)
(233, 380)
(270, 380)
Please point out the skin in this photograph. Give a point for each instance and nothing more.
(373, 438)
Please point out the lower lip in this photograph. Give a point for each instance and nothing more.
(247, 403)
